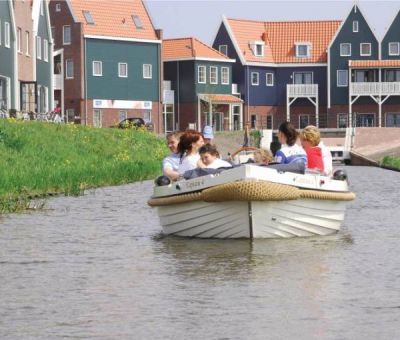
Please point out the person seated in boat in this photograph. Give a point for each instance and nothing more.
(208, 134)
(291, 156)
(171, 162)
(262, 156)
(310, 138)
(210, 157)
(188, 148)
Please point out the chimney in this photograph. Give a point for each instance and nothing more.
(159, 33)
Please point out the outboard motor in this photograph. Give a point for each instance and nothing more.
(340, 175)
(162, 180)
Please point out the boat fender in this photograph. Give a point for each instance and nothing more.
(162, 181)
(340, 175)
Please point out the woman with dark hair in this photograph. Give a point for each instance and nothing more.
(189, 144)
(290, 152)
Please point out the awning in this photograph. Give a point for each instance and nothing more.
(221, 98)
(374, 63)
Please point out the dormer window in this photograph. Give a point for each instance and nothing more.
(303, 50)
(88, 17)
(138, 23)
(258, 48)
(355, 26)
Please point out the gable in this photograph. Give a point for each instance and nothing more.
(392, 36)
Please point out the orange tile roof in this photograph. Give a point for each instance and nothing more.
(373, 63)
(114, 18)
(280, 39)
(223, 98)
(189, 48)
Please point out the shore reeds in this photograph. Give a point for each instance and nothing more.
(38, 159)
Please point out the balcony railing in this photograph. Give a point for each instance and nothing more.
(57, 81)
(168, 97)
(375, 88)
(302, 90)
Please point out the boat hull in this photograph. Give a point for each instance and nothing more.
(256, 219)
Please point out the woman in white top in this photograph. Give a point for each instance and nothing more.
(171, 162)
(190, 143)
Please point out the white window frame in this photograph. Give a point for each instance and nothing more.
(100, 73)
(345, 55)
(213, 74)
(398, 48)
(221, 48)
(255, 83)
(337, 78)
(100, 118)
(69, 62)
(262, 45)
(203, 74)
(225, 75)
(70, 35)
(149, 68)
(120, 75)
(27, 42)
(58, 7)
(19, 40)
(355, 26)
(271, 82)
(45, 50)
(308, 47)
(365, 54)
(38, 47)
(7, 34)
(41, 8)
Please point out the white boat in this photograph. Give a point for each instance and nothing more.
(251, 201)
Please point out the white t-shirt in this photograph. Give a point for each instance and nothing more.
(171, 162)
(326, 159)
(188, 163)
(219, 163)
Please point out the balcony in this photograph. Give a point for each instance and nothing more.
(302, 90)
(168, 97)
(375, 89)
(57, 81)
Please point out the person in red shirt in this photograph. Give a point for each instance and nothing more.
(310, 138)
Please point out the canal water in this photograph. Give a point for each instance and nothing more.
(98, 267)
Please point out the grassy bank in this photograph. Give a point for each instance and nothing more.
(391, 162)
(41, 158)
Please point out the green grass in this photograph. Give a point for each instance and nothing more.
(37, 159)
(393, 162)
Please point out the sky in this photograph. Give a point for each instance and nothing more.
(201, 18)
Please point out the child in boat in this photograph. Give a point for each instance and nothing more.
(262, 156)
(189, 144)
(171, 162)
(310, 138)
(290, 153)
(209, 156)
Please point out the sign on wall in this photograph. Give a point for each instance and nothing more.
(122, 104)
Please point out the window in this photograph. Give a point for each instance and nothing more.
(213, 75)
(88, 17)
(303, 50)
(392, 75)
(147, 71)
(69, 69)
(345, 50)
(302, 77)
(253, 121)
(364, 120)
(365, 76)
(53, 32)
(7, 34)
(342, 121)
(41, 8)
(39, 47)
(97, 68)
(269, 79)
(223, 49)
(201, 74)
(393, 120)
(342, 78)
(394, 48)
(304, 120)
(45, 50)
(97, 118)
(259, 50)
(58, 7)
(269, 122)
(66, 35)
(365, 49)
(355, 26)
(27, 42)
(225, 75)
(254, 78)
(70, 113)
(138, 23)
(19, 39)
(122, 115)
(122, 70)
